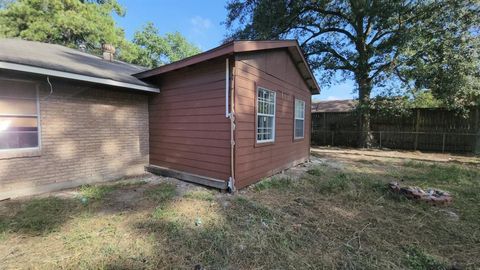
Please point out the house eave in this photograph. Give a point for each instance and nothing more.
(75, 76)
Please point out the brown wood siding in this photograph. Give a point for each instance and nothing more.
(188, 128)
(273, 70)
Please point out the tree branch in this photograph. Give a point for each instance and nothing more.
(378, 35)
(335, 54)
(369, 26)
(389, 64)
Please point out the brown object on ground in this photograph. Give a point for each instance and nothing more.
(433, 196)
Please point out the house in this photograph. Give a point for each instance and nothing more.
(346, 105)
(224, 118)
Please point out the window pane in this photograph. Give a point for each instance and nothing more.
(18, 140)
(16, 89)
(299, 109)
(8, 124)
(18, 106)
(18, 115)
(265, 128)
(265, 117)
(299, 128)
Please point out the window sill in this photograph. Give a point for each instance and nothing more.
(298, 139)
(20, 153)
(263, 144)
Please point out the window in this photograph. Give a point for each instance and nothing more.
(299, 119)
(18, 115)
(265, 115)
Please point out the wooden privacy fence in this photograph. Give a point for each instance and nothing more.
(437, 130)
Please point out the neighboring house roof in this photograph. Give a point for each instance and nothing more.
(334, 106)
(239, 46)
(59, 61)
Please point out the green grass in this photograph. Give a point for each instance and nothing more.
(276, 182)
(95, 192)
(329, 219)
(162, 193)
(203, 195)
(39, 216)
(417, 260)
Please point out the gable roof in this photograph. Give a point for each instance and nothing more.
(59, 61)
(239, 46)
(334, 105)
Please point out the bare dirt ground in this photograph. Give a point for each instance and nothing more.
(384, 155)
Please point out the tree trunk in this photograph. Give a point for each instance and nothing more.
(365, 138)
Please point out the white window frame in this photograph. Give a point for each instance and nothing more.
(37, 115)
(298, 118)
(268, 115)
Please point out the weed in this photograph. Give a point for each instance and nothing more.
(317, 171)
(279, 182)
(418, 260)
(338, 183)
(161, 212)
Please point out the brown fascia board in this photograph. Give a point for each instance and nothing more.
(237, 46)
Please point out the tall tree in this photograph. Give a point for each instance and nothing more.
(65, 22)
(443, 55)
(155, 50)
(89, 22)
(363, 40)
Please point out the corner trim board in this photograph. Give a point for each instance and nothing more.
(74, 76)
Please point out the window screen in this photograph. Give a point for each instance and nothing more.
(265, 115)
(299, 119)
(18, 115)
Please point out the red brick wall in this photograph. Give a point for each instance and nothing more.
(88, 133)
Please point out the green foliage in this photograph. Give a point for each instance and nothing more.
(65, 22)
(155, 50)
(424, 99)
(90, 23)
(443, 54)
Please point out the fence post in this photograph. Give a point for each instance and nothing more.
(380, 140)
(417, 123)
(477, 131)
(332, 137)
(443, 143)
(324, 128)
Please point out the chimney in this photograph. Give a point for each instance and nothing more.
(108, 52)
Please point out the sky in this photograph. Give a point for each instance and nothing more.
(200, 21)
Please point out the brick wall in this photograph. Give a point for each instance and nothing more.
(88, 134)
